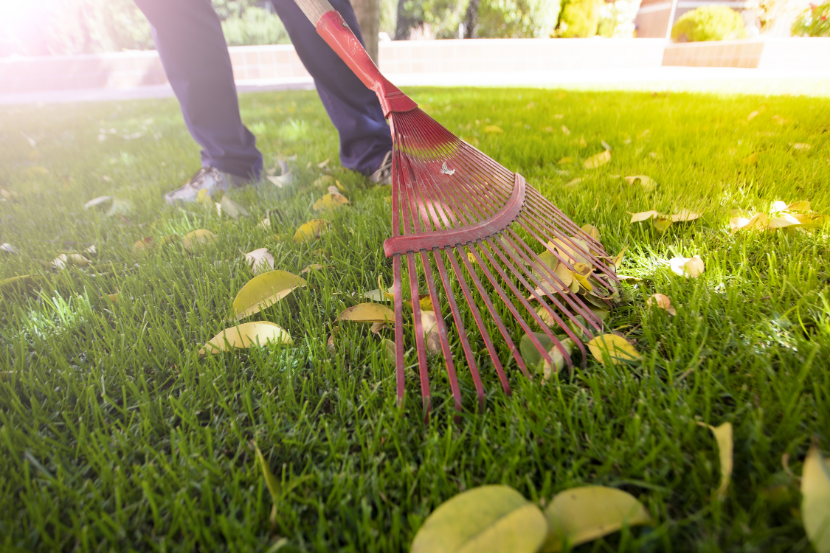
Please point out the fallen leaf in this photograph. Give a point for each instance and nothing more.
(723, 437)
(312, 267)
(263, 291)
(619, 258)
(605, 145)
(565, 160)
(324, 163)
(533, 357)
(492, 129)
(581, 142)
(265, 224)
(113, 298)
(597, 160)
(811, 220)
(643, 216)
(617, 348)
(752, 159)
(684, 216)
(310, 230)
(580, 515)
(333, 190)
(646, 182)
(778, 119)
(663, 302)
(8, 248)
(571, 249)
(815, 500)
(330, 201)
(65, 259)
(23, 284)
(591, 231)
(662, 223)
(566, 131)
(192, 240)
(245, 335)
(802, 205)
(376, 328)
(752, 115)
(429, 323)
(801, 146)
(100, 201)
(143, 245)
(488, 519)
(388, 349)
(783, 221)
(759, 221)
(232, 209)
(260, 260)
(368, 313)
(282, 180)
(689, 267)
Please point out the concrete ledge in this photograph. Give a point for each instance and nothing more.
(785, 54)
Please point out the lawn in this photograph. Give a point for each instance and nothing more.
(115, 435)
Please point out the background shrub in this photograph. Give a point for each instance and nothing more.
(517, 18)
(709, 23)
(815, 21)
(580, 18)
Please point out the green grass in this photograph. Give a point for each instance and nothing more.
(116, 436)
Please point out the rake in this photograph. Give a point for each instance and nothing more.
(454, 207)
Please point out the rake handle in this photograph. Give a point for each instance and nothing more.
(335, 31)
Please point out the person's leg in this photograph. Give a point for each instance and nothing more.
(193, 51)
(365, 138)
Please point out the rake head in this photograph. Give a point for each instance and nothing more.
(462, 220)
(484, 231)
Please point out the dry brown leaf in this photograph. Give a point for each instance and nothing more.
(687, 266)
(663, 302)
(645, 182)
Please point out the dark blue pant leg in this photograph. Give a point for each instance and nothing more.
(194, 54)
(354, 109)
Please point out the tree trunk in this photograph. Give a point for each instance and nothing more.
(471, 19)
(368, 17)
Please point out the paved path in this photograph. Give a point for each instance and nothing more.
(689, 79)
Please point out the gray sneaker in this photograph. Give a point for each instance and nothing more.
(383, 174)
(206, 178)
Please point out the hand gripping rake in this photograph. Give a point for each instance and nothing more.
(452, 205)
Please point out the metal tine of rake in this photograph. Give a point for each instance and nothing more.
(451, 202)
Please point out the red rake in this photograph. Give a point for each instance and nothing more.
(452, 205)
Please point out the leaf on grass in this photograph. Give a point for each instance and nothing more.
(723, 437)
(193, 240)
(802, 205)
(310, 230)
(100, 201)
(263, 291)
(815, 500)
(597, 160)
(566, 131)
(565, 160)
(246, 335)
(580, 515)
(232, 209)
(22, 284)
(687, 266)
(429, 323)
(570, 249)
(618, 349)
(533, 357)
(646, 182)
(260, 260)
(113, 298)
(591, 231)
(811, 220)
(313, 267)
(282, 180)
(619, 258)
(663, 302)
(368, 313)
(8, 248)
(801, 146)
(324, 163)
(684, 216)
(120, 207)
(662, 224)
(330, 201)
(142, 246)
(489, 519)
(376, 328)
(388, 349)
(752, 115)
(783, 221)
(757, 222)
(493, 129)
(752, 159)
(643, 216)
(65, 259)
(265, 224)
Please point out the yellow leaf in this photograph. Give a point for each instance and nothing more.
(313, 267)
(591, 231)
(263, 291)
(271, 481)
(802, 205)
(643, 216)
(492, 129)
(232, 209)
(663, 302)
(783, 221)
(751, 159)
(339, 186)
(617, 348)
(246, 335)
(646, 182)
(143, 245)
(571, 249)
(723, 437)
(811, 220)
(618, 260)
(489, 519)
(757, 222)
(192, 240)
(752, 115)
(565, 160)
(583, 281)
(566, 131)
(64, 259)
(662, 224)
(310, 230)
(260, 261)
(330, 201)
(471, 258)
(533, 357)
(368, 313)
(687, 266)
(23, 284)
(597, 160)
(815, 502)
(801, 146)
(324, 181)
(388, 349)
(580, 515)
(684, 216)
(283, 180)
